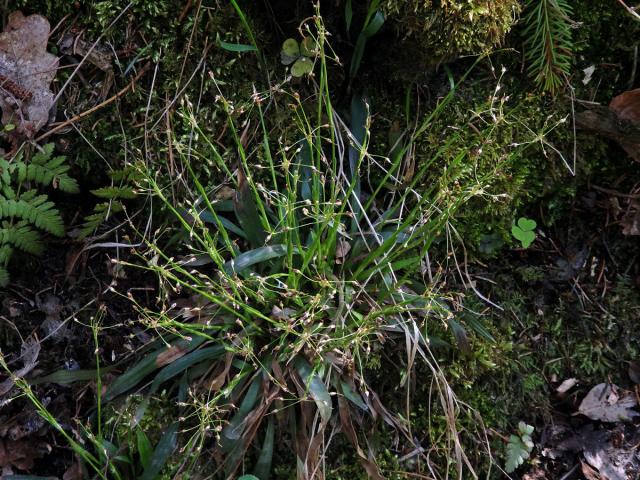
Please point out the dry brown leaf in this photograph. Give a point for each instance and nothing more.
(74, 472)
(170, 355)
(21, 454)
(589, 473)
(26, 73)
(29, 355)
(567, 385)
(606, 404)
(347, 427)
(627, 107)
(631, 219)
(342, 250)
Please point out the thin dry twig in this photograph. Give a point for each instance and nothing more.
(97, 107)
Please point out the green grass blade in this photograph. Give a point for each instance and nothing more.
(132, 377)
(145, 449)
(316, 387)
(162, 452)
(254, 257)
(262, 469)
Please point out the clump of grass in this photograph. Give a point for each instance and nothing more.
(288, 280)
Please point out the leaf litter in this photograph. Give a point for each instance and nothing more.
(26, 73)
(606, 403)
(602, 433)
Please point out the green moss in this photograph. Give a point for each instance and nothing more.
(449, 28)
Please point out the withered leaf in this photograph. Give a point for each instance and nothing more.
(607, 403)
(170, 355)
(26, 73)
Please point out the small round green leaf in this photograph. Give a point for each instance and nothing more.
(307, 47)
(291, 48)
(526, 237)
(248, 477)
(526, 224)
(302, 66)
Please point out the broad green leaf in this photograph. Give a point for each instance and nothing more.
(375, 24)
(181, 364)
(306, 172)
(526, 237)
(162, 452)
(517, 453)
(359, 116)
(302, 66)
(65, 377)
(233, 431)
(352, 396)
(370, 29)
(460, 334)
(248, 477)
(316, 387)
(291, 48)
(348, 14)
(307, 47)
(526, 224)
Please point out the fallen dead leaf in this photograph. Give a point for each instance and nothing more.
(567, 385)
(342, 250)
(605, 404)
(21, 454)
(26, 73)
(630, 221)
(627, 107)
(170, 355)
(634, 372)
(29, 354)
(589, 473)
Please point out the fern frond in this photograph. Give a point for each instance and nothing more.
(27, 211)
(4, 277)
(36, 209)
(548, 42)
(115, 193)
(101, 213)
(48, 172)
(21, 236)
(127, 174)
(5, 172)
(44, 154)
(5, 254)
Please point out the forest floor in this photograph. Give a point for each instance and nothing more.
(382, 268)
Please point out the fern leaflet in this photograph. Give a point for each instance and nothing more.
(24, 211)
(548, 42)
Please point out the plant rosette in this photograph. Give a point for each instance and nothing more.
(298, 55)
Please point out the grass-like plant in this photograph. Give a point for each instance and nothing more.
(279, 297)
(548, 42)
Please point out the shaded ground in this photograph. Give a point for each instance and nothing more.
(566, 308)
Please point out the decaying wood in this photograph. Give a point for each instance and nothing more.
(602, 120)
(620, 121)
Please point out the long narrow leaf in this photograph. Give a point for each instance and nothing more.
(162, 452)
(317, 389)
